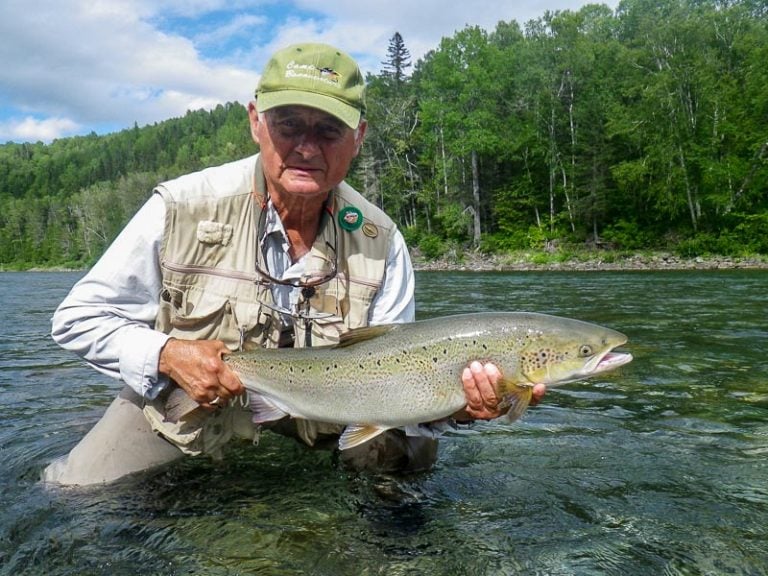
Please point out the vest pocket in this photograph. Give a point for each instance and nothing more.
(199, 315)
(349, 300)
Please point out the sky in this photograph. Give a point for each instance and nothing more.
(72, 67)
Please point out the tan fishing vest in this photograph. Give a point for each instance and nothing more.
(212, 290)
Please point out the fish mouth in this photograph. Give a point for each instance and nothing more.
(598, 364)
(610, 360)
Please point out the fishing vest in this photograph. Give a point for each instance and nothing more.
(211, 288)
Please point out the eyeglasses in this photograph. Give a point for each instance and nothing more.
(289, 125)
(307, 285)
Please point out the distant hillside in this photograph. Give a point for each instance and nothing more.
(63, 203)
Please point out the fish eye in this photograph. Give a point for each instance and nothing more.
(585, 350)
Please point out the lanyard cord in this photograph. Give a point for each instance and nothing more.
(308, 287)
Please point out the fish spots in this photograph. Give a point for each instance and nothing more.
(539, 358)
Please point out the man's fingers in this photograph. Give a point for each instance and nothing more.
(474, 400)
(230, 382)
(483, 375)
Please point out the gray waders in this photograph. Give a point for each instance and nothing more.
(124, 442)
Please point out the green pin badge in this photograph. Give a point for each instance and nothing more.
(350, 218)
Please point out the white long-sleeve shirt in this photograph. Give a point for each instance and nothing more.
(108, 316)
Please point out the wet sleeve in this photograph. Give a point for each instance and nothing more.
(394, 302)
(108, 316)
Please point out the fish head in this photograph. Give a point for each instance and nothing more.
(567, 350)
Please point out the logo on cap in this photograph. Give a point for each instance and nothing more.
(328, 75)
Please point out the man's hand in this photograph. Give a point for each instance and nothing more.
(197, 366)
(480, 383)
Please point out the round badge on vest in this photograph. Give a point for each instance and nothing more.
(370, 230)
(350, 218)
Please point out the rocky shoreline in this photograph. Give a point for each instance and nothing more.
(475, 262)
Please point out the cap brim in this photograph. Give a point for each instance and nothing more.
(333, 106)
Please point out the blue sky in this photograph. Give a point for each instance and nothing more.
(71, 67)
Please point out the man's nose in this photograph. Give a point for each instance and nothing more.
(308, 143)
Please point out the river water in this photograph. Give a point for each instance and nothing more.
(658, 469)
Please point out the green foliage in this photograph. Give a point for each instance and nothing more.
(752, 233)
(636, 127)
(432, 247)
(749, 236)
(63, 203)
(555, 257)
(626, 235)
(703, 244)
(412, 235)
(455, 223)
(533, 237)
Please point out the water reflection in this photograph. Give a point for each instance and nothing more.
(659, 469)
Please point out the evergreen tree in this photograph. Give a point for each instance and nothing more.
(398, 60)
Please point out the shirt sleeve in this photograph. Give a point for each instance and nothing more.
(108, 316)
(395, 301)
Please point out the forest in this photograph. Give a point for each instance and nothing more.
(643, 128)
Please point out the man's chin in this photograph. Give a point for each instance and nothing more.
(306, 187)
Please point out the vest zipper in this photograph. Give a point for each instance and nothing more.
(208, 271)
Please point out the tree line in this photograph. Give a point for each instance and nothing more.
(640, 128)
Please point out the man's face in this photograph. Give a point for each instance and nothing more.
(304, 150)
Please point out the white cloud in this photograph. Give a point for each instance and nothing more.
(116, 62)
(100, 63)
(239, 25)
(31, 129)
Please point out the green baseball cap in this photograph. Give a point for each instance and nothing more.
(314, 75)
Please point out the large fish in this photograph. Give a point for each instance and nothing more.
(384, 377)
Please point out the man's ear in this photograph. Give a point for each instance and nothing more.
(360, 136)
(253, 119)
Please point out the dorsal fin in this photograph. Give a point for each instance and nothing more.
(362, 334)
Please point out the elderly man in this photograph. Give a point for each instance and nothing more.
(273, 250)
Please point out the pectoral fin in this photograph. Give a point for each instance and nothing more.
(180, 406)
(354, 435)
(517, 398)
(264, 410)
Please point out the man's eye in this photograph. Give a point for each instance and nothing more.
(290, 127)
(329, 132)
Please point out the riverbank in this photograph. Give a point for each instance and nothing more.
(592, 261)
(543, 261)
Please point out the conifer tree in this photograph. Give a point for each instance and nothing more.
(398, 60)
